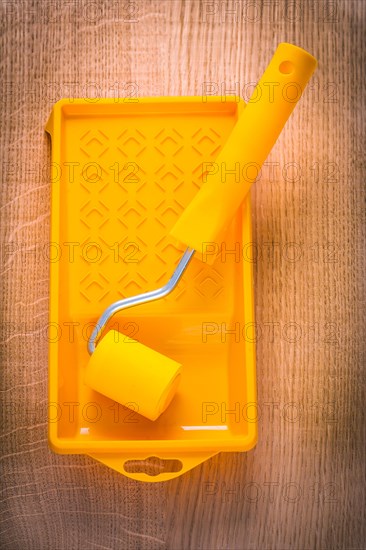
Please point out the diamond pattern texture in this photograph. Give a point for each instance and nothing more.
(131, 181)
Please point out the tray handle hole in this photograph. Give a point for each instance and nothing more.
(153, 466)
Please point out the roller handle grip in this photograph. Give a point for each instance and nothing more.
(249, 144)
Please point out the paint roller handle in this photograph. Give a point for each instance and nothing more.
(247, 147)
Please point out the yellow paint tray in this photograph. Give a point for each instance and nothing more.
(122, 173)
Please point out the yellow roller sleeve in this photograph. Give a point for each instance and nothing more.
(132, 374)
(229, 179)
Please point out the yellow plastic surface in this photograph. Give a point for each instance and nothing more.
(235, 169)
(122, 174)
(128, 372)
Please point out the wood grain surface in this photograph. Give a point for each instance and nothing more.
(303, 486)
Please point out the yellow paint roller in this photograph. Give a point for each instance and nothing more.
(131, 373)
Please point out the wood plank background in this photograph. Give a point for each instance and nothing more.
(303, 487)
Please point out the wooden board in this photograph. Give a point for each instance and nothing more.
(303, 487)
